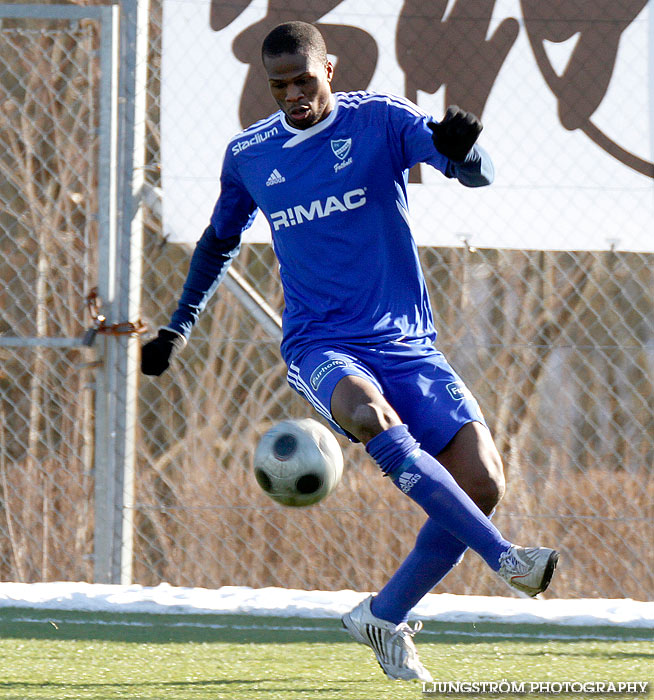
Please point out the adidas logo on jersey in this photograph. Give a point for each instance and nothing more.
(275, 178)
(406, 481)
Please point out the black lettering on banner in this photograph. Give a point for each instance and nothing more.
(453, 52)
(456, 52)
(585, 81)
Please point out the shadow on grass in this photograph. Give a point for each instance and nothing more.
(24, 623)
(17, 685)
(17, 623)
(171, 689)
(586, 653)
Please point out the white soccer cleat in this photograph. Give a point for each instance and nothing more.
(393, 644)
(528, 569)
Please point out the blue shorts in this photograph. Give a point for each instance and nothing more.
(414, 377)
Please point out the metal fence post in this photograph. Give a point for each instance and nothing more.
(107, 242)
(131, 169)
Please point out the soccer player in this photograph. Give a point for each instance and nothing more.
(329, 173)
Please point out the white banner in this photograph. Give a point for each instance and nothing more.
(564, 89)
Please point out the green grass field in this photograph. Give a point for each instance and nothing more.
(58, 655)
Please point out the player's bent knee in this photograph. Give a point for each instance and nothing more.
(494, 490)
(359, 408)
(496, 483)
(473, 460)
(370, 419)
(489, 483)
(488, 490)
(484, 481)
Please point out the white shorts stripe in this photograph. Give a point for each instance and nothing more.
(303, 388)
(315, 405)
(299, 383)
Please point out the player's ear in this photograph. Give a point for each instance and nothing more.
(329, 70)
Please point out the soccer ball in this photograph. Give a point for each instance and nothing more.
(298, 462)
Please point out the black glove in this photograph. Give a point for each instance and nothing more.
(456, 134)
(155, 355)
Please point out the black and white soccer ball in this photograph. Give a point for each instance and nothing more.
(298, 462)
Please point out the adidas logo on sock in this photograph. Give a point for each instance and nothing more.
(275, 178)
(407, 481)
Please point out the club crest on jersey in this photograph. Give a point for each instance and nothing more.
(341, 147)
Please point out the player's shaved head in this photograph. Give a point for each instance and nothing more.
(293, 38)
(299, 73)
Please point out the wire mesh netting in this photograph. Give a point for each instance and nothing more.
(48, 79)
(536, 337)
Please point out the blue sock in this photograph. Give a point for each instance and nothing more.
(435, 554)
(434, 489)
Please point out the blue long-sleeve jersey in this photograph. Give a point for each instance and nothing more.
(335, 197)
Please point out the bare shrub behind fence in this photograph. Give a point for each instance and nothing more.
(48, 85)
(532, 333)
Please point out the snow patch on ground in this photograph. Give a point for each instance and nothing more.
(282, 602)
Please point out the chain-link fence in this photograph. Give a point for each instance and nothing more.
(552, 344)
(49, 82)
(557, 346)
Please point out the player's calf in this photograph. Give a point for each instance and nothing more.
(423, 479)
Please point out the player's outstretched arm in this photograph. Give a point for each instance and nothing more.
(211, 258)
(456, 138)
